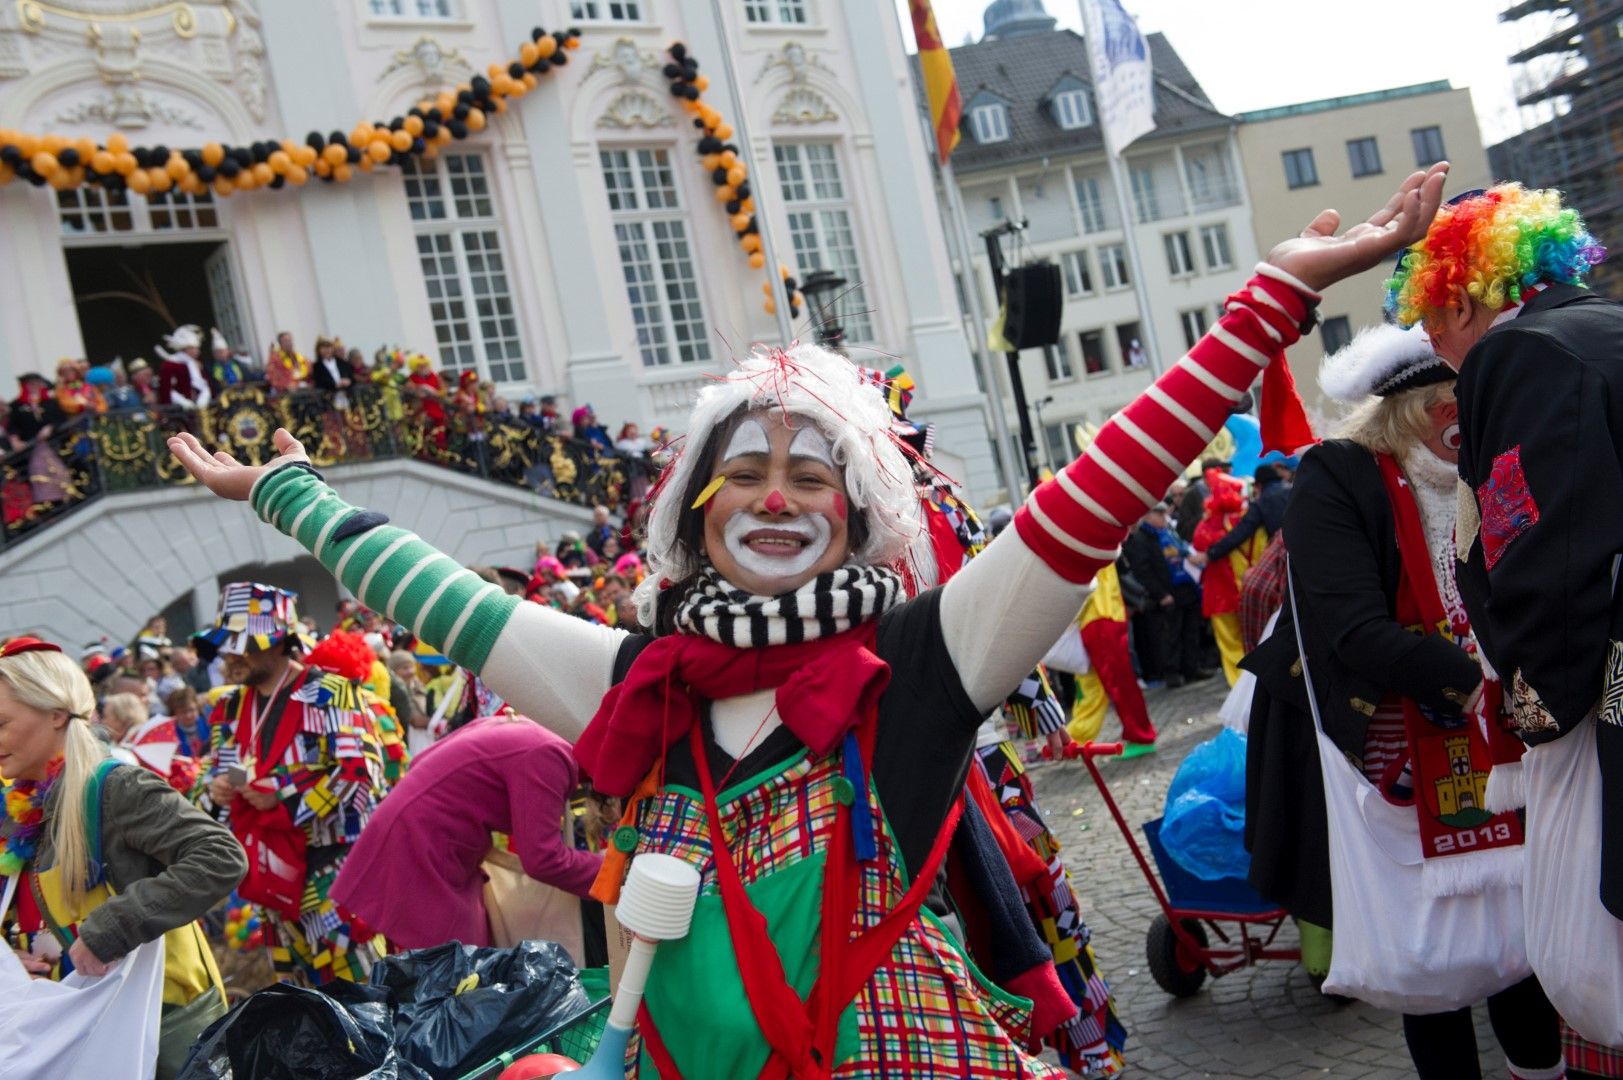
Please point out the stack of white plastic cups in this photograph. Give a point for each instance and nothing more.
(656, 904)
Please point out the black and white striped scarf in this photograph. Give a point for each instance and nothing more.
(828, 604)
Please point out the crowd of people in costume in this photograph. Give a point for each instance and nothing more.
(806, 672)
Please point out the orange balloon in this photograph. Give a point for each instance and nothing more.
(102, 161)
(140, 182)
(709, 115)
(724, 131)
(263, 172)
(702, 83)
(728, 159)
(333, 154)
(192, 185)
(322, 168)
(245, 180)
(84, 144)
(442, 136)
(546, 47)
(379, 150)
(361, 134)
(740, 221)
(160, 180)
(748, 205)
(45, 163)
(771, 306)
(530, 81)
(783, 272)
(292, 148)
(757, 260)
(736, 175)
(6, 173)
(223, 187)
(53, 144)
(117, 143)
(400, 140)
(499, 106)
(495, 71)
(279, 161)
(711, 162)
(476, 120)
(177, 167)
(342, 173)
(528, 54)
(366, 163)
(297, 175)
(413, 124)
(572, 43)
(27, 144)
(305, 155)
(445, 102)
(62, 180)
(726, 193)
(766, 287)
(124, 162)
(751, 242)
(213, 153)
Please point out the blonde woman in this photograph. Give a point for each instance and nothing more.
(162, 862)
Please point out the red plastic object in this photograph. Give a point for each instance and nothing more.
(1101, 749)
(538, 1067)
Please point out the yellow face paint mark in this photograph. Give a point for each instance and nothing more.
(709, 492)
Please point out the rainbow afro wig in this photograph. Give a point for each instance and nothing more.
(1493, 243)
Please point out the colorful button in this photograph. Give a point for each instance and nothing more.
(625, 839)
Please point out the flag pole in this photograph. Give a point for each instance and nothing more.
(780, 295)
(1119, 180)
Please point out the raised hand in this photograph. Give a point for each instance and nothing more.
(225, 475)
(1318, 258)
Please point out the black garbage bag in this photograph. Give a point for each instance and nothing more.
(507, 995)
(290, 1033)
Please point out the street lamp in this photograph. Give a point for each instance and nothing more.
(825, 294)
(1038, 406)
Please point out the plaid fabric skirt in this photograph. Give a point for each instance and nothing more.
(322, 945)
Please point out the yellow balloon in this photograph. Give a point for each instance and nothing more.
(279, 161)
(413, 124)
(379, 150)
(213, 153)
(546, 47)
(117, 143)
(124, 162)
(297, 175)
(726, 193)
(333, 154)
(322, 168)
(728, 159)
(223, 187)
(161, 180)
(400, 140)
(528, 54)
(102, 161)
(740, 221)
(342, 172)
(177, 167)
(140, 182)
(736, 175)
(724, 131)
(476, 119)
(757, 260)
(45, 163)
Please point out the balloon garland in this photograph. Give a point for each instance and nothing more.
(729, 174)
(67, 163)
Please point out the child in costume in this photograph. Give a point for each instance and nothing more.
(793, 728)
(1220, 583)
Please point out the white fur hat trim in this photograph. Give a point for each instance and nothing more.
(1373, 361)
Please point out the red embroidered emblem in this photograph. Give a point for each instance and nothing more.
(1507, 505)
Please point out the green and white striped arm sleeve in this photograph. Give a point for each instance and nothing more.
(388, 568)
(549, 666)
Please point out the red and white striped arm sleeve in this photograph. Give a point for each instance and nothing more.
(1076, 522)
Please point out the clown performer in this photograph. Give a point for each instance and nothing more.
(296, 771)
(1220, 584)
(791, 727)
(1498, 286)
(182, 379)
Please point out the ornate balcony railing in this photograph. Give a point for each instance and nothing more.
(126, 451)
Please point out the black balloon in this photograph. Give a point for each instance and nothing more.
(673, 71)
(734, 205)
(744, 190)
(338, 137)
(397, 123)
(262, 151)
(11, 155)
(709, 144)
(315, 141)
(541, 67)
(435, 114)
(69, 156)
(418, 145)
(194, 158)
(537, 34)
(698, 123)
(431, 128)
(243, 155)
(353, 154)
(690, 91)
(205, 173)
(718, 176)
(278, 182)
(560, 57)
(460, 112)
(516, 70)
(112, 182)
(229, 167)
(678, 90)
(160, 154)
(790, 284)
(678, 50)
(465, 97)
(479, 85)
(459, 129)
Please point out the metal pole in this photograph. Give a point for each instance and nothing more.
(1028, 445)
(990, 376)
(780, 295)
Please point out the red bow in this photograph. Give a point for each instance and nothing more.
(26, 644)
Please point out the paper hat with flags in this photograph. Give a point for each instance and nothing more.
(252, 618)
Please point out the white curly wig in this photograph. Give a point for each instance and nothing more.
(809, 383)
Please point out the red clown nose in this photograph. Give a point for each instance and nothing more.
(775, 502)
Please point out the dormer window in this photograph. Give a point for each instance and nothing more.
(1071, 109)
(989, 123)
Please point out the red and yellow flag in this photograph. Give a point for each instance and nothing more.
(940, 84)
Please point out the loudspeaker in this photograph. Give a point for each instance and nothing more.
(1034, 303)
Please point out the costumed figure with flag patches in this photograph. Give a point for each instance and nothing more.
(1410, 721)
(227, 367)
(793, 722)
(1498, 286)
(296, 771)
(181, 378)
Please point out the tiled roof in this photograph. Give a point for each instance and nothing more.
(1022, 70)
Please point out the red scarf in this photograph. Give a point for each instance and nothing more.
(824, 688)
(1449, 764)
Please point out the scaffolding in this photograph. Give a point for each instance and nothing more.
(1569, 78)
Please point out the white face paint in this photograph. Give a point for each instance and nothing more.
(802, 541)
(748, 438)
(810, 442)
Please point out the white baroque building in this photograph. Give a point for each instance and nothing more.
(574, 247)
(1031, 150)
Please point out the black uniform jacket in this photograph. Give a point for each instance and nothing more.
(1342, 542)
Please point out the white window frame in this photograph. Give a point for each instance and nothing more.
(651, 216)
(1423, 135)
(606, 11)
(989, 123)
(1180, 254)
(1058, 363)
(1104, 356)
(1071, 110)
(104, 215)
(1059, 437)
(1194, 324)
(1094, 210)
(1114, 270)
(1355, 155)
(778, 12)
(462, 219)
(1215, 246)
(1078, 271)
(419, 10)
(817, 199)
(1293, 164)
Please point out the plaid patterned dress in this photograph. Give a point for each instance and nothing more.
(330, 778)
(926, 1012)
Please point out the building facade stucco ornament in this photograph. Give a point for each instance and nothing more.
(803, 105)
(795, 59)
(635, 108)
(436, 65)
(126, 106)
(625, 57)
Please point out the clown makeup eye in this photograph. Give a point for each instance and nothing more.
(748, 439)
(812, 444)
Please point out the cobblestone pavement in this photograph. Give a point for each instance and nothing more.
(1263, 1021)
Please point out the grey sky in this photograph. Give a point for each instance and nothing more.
(1252, 54)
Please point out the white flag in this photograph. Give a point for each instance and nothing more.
(1120, 59)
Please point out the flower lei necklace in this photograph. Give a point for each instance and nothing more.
(25, 818)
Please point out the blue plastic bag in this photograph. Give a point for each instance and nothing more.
(1204, 827)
